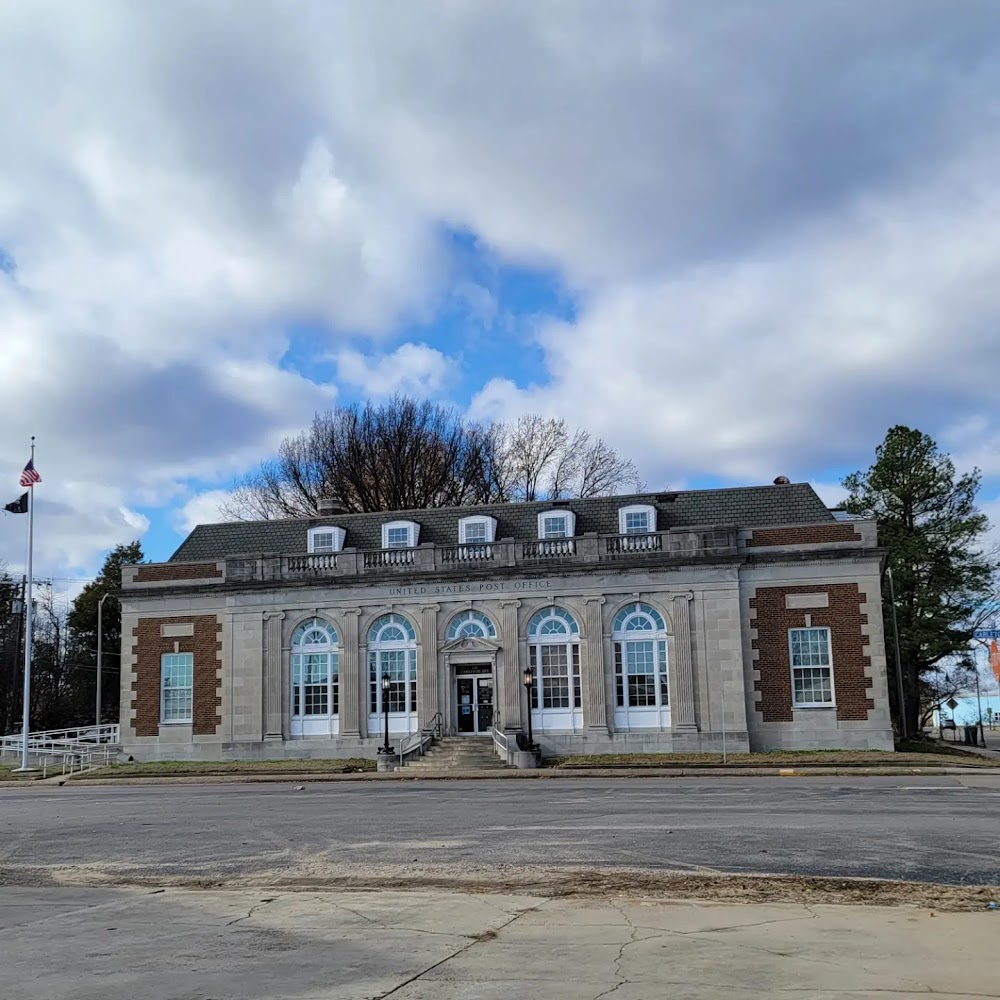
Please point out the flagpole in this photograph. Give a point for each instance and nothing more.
(26, 723)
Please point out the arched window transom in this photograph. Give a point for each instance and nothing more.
(471, 624)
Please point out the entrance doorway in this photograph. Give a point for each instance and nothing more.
(474, 701)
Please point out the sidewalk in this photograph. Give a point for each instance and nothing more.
(419, 945)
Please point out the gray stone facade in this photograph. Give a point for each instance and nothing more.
(703, 581)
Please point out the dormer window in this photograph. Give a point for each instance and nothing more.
(556, 524)
(479, 530)
(637, 519)
(326, 539)
(400, 534)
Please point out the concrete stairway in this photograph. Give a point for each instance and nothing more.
(458, 753)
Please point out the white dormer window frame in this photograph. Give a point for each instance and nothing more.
(630, 519)
(546, 524)
(326, 538)
(400, 534)
(477, 529)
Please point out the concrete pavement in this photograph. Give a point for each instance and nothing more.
(121, 944)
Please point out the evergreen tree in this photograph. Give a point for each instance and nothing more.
(82, 624)
(934, 533)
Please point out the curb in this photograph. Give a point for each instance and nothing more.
(543, 774)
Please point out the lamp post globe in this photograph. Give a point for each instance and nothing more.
(529, 682)
(386, 684)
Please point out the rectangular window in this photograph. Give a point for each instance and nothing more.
(475, 532)
(554, 527)
(397, 538)
(577, 696)
(322, 541)
(619, 679)
(637, 522)
(555, 677)
(661, 655)
(812, 671)
(533, 663)
(177, 687)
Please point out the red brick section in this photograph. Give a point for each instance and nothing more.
(149, 646)
(807, 534)
(844, 619)
(177, 571)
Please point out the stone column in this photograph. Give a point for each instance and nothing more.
(509, 696)
(274, 716)
(595, 714)
(427, 669)
(682, 689)
(352, 691)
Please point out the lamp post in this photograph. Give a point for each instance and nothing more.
(100, 651)
(386, 684)
(529, 683)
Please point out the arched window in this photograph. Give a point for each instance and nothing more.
(554, 658)
(392, 650)
(639, 635)
(315, 673)
(471, 624)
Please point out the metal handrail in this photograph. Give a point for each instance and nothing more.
(427, 734)
(501, 742)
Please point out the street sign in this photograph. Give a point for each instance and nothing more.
(986, 633)
(952, 704)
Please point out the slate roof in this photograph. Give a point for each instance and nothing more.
(743, 506)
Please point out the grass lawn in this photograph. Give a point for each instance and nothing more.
(928, 755)
(179, 768)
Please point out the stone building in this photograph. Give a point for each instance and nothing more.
(657, 622)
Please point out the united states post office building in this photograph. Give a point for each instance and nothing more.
(657, 622)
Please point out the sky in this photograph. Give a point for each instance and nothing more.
(737, 240)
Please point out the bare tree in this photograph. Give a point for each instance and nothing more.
(406, 454)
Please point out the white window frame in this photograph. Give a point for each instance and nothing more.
(163, 688)
(339, 534)
(828, 666)
(637, 508)
(399, 721)
(569, 523)
(412, 534)
(568, 718)
(465, 523)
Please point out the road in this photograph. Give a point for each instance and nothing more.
(934, 829)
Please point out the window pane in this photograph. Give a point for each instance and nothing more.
(554, 527)
(397, 538)
(577, 698)
(810, 647)
(533, 663)
(661, 656)
(619, 683)
(322, 541)
(812, 686)
(555, 676)
(637, 523)
(475, 531)
(177, 680)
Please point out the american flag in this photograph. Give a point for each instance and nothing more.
(29, 477)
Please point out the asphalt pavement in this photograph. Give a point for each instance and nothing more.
(933, 829)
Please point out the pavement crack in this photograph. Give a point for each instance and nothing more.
(458, 951)
(622, 980)
(253, 909)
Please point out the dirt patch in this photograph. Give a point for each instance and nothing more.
(557, 883)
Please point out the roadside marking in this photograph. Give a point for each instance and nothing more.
(933, 788)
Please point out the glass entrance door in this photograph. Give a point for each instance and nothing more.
(465, 688)
(484, 704)
(474, 703)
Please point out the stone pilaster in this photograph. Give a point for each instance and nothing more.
(353, 686)
(682, 682)
(274, 715)
(427, 669)
(510, 696)
(595, 714)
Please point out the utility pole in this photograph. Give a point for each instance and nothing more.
(895, 646)
(100, 652)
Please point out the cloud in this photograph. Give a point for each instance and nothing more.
(203, 508)
(412, 369)
(777, 227)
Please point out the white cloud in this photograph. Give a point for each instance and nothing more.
(412, 369)
(203, 508)
(779, 227)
